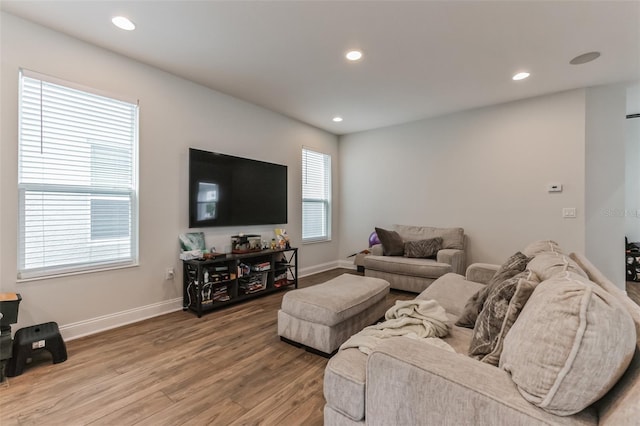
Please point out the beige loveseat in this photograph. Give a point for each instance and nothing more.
(409, 382)
(416, 274)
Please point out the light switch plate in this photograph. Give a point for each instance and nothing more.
(569, 212)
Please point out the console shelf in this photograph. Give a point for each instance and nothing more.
(215, 283)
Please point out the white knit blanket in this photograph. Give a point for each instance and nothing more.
(424, 320)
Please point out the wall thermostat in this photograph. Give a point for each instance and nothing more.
(554, 187)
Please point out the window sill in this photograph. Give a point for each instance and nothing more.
(54, 275)
(324, 240)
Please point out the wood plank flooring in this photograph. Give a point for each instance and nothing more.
(633, 291)
(227, 368)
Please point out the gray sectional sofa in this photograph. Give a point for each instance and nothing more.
(416, 274)
(572, 357)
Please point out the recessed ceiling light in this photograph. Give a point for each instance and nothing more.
(337, 119)
(353, 55)
(584, 58)
(123, 23)
(521, 76)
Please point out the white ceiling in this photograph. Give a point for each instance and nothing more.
(421, 59)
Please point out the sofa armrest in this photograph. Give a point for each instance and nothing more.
(453, 257)
(481, 272)
(376, 250)
(413, 383)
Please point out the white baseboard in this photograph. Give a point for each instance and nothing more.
(118, 319)
(347, 264)
(310, 270)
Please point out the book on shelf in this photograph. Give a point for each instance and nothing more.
(252, 279)
(253, 288)
(221, 294)
(261, 267)
(217, 277)
(253, 283)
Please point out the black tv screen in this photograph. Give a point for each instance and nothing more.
(228, 191)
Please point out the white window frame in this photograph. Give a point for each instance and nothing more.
(92, 191)
(325, 200)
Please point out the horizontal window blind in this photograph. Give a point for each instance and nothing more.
(316, 196)
(77, 180)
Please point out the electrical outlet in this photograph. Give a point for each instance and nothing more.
(569, 212)
(169, 274)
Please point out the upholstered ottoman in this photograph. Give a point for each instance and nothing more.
(324, 316)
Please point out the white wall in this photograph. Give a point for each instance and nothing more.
(632, 179)
(175, 114)
(485, 170)
(605, 180)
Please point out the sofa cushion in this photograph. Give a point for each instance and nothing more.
(537, 247)
(392, 244)
(458, 337)
(546, 265)
(515, 264)
(501, 309)
(344, 383)
(452, 238)
(570, 345)
(423, 268)
(423, 248)
(451, 291)
(336, 300)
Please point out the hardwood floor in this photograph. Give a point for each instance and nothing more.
(633, 291)
(227, 368)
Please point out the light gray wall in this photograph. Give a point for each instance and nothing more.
(175, 114)
(605, 180)
(632, 180)
(485, 170)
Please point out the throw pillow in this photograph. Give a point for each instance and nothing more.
(472, 308)
(422, 248)
(547, 264)
(392, 244)
(537, 247)
(501, 309)
(513, 266)
(452, 238)
(571, 343)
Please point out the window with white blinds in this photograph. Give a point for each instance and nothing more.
(77, 179)
(316, 196)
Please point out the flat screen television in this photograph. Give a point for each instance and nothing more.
(230, 191)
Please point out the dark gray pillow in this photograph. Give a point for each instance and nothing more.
(513, 266)
(392, 244)
(472, 308)
(423, 248)
(501, 309)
